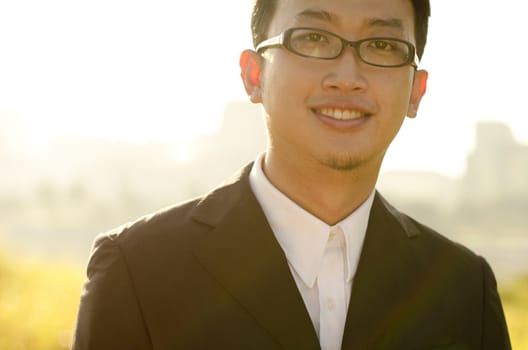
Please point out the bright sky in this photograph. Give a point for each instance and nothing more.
(162, 71)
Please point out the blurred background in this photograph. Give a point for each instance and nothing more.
(113, 109)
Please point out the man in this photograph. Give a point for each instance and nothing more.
(298, 251)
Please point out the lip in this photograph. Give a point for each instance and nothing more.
(342, 115)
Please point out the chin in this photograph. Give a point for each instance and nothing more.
(343, 163)
(350, 161)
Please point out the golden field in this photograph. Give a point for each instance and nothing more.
(39, 299)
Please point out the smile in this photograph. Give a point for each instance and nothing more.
(341, 114)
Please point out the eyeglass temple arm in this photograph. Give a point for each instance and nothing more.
(274, 41)
(415, 62)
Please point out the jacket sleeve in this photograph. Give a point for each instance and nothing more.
(494, 330)
(109, 316)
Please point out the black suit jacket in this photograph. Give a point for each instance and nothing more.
(209, 274)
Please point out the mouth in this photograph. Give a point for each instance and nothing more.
(341, 114)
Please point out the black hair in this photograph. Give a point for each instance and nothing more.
(264, 10)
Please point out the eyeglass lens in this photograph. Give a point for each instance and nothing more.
(326, 45)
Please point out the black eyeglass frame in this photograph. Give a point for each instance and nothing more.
(283, 40)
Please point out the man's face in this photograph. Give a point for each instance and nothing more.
(341, 113)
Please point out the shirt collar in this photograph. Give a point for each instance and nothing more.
(301, 235)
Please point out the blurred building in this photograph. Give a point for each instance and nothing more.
(238, 141)
(497, 169)
(57, 198)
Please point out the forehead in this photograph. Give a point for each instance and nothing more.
(347, 16)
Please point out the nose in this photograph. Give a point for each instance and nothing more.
(346, 72)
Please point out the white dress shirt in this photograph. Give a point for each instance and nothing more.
(323, 259)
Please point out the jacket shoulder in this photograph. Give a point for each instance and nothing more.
(183, 220)
(163, 220)
(427, 241)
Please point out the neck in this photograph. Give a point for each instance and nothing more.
(329, 194)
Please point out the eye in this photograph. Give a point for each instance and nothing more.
(314, 37)
(313, 43)
(384, 45)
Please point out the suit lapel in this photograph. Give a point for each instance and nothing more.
(242, 254)
(385, 271)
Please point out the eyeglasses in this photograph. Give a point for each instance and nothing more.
(318, 43)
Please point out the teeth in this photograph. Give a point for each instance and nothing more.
(341, 114)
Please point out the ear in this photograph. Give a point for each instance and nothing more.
(250, 70)
(418, 91)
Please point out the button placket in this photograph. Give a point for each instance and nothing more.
(331, 284)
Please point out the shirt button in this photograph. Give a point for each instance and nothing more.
(330, 304)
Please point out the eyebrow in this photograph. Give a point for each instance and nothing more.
(326, 16)
(385, 22)
(317, 14)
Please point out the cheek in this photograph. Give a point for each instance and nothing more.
(285, 87)
(395, 94)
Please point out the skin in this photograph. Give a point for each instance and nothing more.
(327, 166)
